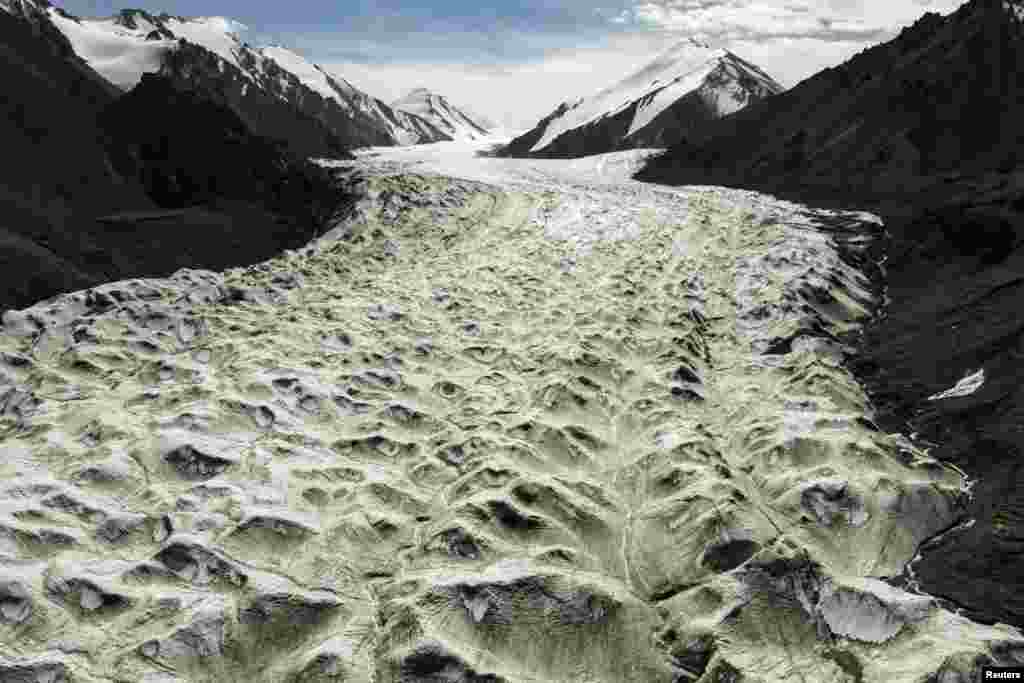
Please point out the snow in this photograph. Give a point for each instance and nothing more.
(123, 54)
(655, 87)
(439, 111)
(664, 98)
(217, 34)
(18, 6)
(310, 74)
(117, 53)
(463, 159)
(965, 387)
(143, 25)
(685, 58)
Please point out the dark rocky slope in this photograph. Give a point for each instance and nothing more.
(265, 113)
(283, 107)
(927, 132)
(56, 160)
(74, 154)
(955, 275)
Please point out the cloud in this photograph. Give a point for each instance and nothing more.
(827, 20)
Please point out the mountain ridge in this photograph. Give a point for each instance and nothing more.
(657, 105)
(132, 42)
(438, 110)
(86, 151)
(945, 93)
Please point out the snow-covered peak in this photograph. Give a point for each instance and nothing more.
(312, 75)
(124, 47)
(134, 42)
(23, 8)
(681, 69)
(683, 57)
(136, 19)
(416, 98)
(118, 52)
(219, 35)
(1015, 8)
(439, 111)
(686, 63)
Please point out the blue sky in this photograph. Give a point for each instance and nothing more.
(515, 60)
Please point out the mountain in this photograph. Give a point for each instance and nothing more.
(676, 94)
(945, 96)
(436, 109)
(927, 132)
(99, 185)
(63, 160)
(275, 90)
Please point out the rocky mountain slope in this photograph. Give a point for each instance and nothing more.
(927, 131)
(53, 117)
(272, 88)
(455, 122)
(75, 155)
(665, 101)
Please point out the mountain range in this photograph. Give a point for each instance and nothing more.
(657, 106)
(176, 124)
(95, 167)
(262, 84)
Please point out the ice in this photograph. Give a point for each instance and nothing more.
(119, 54)
(965, 387)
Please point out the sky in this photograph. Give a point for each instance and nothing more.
(516, 60)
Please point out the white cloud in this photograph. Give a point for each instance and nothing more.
(739, 19)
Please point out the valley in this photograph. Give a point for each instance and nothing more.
(477, 432)
(699, 378)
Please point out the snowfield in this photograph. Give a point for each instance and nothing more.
(120, 54)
